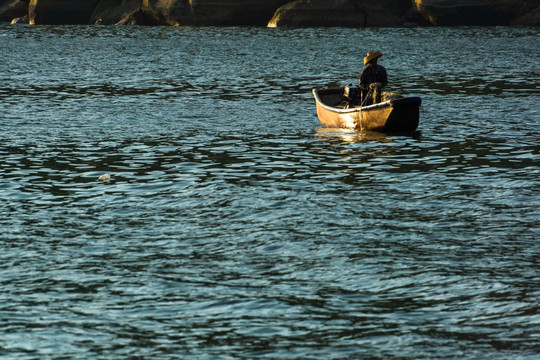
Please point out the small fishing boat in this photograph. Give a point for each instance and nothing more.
(394, 114)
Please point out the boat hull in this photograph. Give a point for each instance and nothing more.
(397, 115)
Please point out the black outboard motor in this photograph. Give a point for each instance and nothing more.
(351, 94)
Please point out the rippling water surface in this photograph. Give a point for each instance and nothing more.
(233, 226)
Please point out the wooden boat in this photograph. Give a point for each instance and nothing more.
(398, 114)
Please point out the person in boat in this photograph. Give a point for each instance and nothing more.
(372, 79)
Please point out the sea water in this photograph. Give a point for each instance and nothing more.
(169, 193)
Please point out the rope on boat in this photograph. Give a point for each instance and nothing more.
(346, 103)
(363, 102)
(368, 95)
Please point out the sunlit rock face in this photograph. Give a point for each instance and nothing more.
(275, 13)
(20, 20)
(210, 12)
(165, 12)
(11, 9)
(61, 12)
(346, 13)
(478, 12)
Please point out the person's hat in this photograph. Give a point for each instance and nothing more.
(372, 55)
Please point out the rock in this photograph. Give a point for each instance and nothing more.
(474, 12)
(210, 12)
(119, 12)
(165, 12)
(136, 18)
(272, 13)
(61, 12)
(346, 13)
(235, 12)
(5, 2)
(20, 20)
(13, 9)
(529, 18)
(414, 18)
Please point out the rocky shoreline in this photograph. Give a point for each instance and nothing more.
(273, 13)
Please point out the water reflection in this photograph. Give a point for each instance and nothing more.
(350, 136)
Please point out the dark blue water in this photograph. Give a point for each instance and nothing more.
(233, 227)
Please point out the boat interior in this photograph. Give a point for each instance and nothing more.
(332, 97)
(342, 98)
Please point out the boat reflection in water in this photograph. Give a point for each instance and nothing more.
(351, 136)
(361, 156)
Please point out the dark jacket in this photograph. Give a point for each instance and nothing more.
(369, 76)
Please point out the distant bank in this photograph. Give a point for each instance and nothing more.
(273, 13)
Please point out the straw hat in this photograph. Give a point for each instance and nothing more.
(372, 55)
